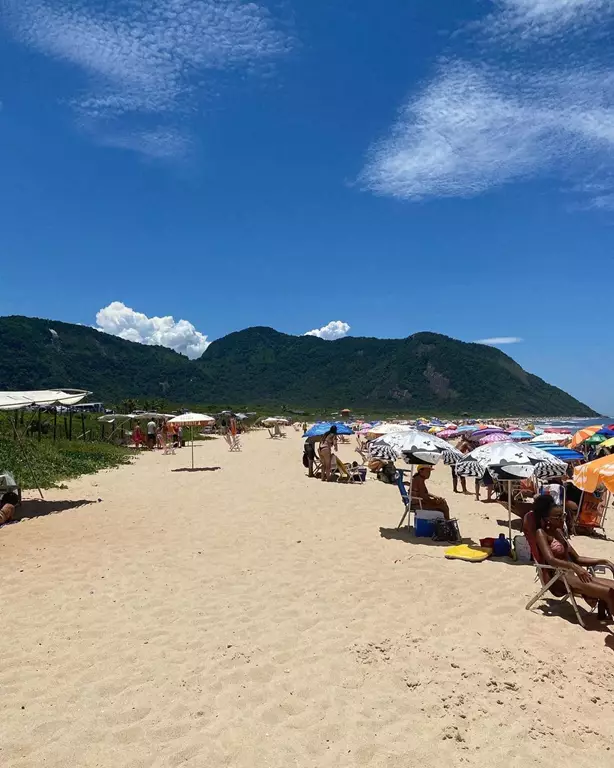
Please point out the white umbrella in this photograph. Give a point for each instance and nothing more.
(510, 461)
(192, 420)
(275, 420)
(551, 437)
(385, 428)
(416, 448)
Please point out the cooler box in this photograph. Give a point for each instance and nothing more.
(424, 525)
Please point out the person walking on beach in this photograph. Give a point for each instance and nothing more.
(327, 443)
(464, 448)
(151, 434)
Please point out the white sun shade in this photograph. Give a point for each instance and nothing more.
(192, 419)
(11, 401)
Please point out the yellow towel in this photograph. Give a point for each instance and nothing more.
(468, 552)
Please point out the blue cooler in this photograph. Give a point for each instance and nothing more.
(424, 524)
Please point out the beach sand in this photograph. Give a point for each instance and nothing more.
(250, 616)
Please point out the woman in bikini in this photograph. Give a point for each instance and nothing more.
(327, 443)
(556, 551)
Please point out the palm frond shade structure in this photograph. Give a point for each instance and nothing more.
(509, 462)
(192, 420)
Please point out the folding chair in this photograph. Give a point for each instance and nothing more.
(234, 443)
(559, 574)
(416, 503)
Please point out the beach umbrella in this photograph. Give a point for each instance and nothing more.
(386, 428)
(446, 433)
(559, 430)
(550, 437)
(494, 437)
(595, 439)
(414, 447)
(192, 420)
(275, 420)
(323, 426)
(510, 461)
(562, 453)
(609, 443)
(480, 433)
(583, 434)
(588, 477)
(520, 434)
(466, 428)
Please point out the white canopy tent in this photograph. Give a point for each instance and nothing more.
(13, 401)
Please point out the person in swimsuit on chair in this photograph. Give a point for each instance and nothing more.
(555, 550)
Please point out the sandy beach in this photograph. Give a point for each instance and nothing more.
(249, 616)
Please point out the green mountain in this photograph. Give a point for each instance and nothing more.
(424, 372)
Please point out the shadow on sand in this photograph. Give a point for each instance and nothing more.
(196, 469)
(407, 535)
(40, 508)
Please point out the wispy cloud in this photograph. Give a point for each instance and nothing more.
(144, 56)
(119, 320)
(473, 128)
(497, 341)
(540, 18)
(476, 125)
(336, 329)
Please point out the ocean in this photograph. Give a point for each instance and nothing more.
(574, 424)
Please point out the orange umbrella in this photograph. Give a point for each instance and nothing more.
(588, 477)
(583, 434)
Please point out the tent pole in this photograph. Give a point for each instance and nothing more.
(411, 483)
(25, 455)
(509, 510)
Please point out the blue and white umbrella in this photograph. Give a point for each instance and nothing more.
(323, 426)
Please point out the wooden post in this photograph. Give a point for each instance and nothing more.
(83, 424)
(55, 423)
(70, 425)
(39, 424)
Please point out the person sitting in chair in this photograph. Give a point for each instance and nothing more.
(8, 503)
(420, 491)
(546, 520)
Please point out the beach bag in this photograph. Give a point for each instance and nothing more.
(522, 549)
(446, 530)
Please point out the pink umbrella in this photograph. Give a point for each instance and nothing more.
(495, 437)
(446, 433)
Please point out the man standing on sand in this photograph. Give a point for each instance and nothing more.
(151, 434)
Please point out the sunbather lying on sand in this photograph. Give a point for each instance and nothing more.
(7, 507)
(556, 551)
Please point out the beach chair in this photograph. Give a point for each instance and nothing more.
(549, 575)
(273, 435)
(234, 443)
(347, 473)
(410, 507)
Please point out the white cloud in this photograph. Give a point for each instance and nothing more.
(479, 125)
(119, 320)
(144, 56)
(336, 329)
(540, 18)
(474, 128)
(496, 341)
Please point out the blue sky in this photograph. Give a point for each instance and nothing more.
(420, 166)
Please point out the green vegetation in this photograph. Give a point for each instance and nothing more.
(426, 373)
(53, 462)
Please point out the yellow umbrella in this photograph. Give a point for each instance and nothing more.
(435, 430)
(583, 434)
(607, 443)
(588, 477)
